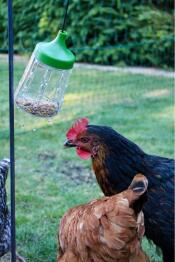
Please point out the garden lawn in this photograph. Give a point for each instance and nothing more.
(51, 179)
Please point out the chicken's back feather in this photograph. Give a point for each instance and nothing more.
(104, 230)
(5, 225)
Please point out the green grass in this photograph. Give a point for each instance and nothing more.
(49, 179)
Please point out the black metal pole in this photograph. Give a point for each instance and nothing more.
(11, 123)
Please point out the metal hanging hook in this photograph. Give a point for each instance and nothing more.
(65, 16)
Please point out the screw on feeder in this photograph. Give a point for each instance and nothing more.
(41, 89)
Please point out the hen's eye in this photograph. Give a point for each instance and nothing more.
(84, 139)
(95, 142)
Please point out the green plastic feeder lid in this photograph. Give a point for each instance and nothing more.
(55, 53)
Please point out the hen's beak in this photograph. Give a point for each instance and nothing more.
(69, 143)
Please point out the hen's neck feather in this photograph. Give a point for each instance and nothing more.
(117, 162)
(115, 171)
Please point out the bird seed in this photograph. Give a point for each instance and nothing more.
(38, 108)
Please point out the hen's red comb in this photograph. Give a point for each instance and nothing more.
(78, 127)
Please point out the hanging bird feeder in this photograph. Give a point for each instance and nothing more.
(41, 89)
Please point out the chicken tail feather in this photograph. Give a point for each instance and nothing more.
(139, 187)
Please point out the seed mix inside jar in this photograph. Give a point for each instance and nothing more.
(38, 108)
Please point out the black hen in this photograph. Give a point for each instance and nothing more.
(116, 160)
(4, 213)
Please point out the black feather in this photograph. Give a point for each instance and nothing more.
(124, 160)
(5, 234)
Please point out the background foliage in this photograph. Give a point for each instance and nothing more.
(109, 32)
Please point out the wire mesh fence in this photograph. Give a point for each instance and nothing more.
(136, 102)
(50, 179)
(122, 98)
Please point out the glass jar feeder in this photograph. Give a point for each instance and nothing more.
(41, 89)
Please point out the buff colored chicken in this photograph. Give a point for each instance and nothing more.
(109, 229)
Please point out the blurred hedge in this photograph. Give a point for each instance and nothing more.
(106, 32)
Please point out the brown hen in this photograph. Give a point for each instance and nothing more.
(106, 230)
(116, 160)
